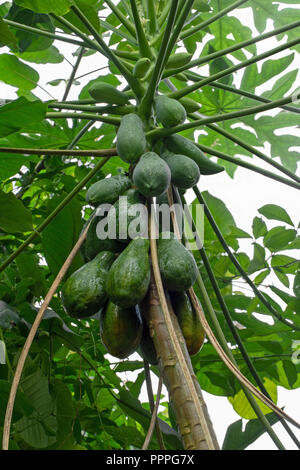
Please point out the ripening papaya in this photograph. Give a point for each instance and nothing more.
(128, 279)
(103, 92)
(177, 265)
(131, 140)
(83, 294)
(120, 330)
(185, 172)
(125, 211)
(181, 145)
(169, 112)
(107, 190)
(151, 175)
(94, 244)
(188, 320)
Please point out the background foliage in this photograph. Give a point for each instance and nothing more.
(72, 395)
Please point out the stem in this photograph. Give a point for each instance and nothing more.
(223, 73)
(152, 17)
(128, 25)
(154, 416)
(65, 152)
(214, 18)
(72, 76)
(178, 28)
(151, 403)
(38, 230)
(108, 52)
(144, 47)
(94, 109)
(230, 323)
(30, 338)
(249, 166)
(94, 117)
(237, 264)
(146, 103)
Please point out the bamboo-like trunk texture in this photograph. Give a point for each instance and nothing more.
(194, 424)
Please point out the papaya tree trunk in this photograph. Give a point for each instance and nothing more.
(186, 397)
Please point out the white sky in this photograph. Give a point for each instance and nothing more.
(243, 195)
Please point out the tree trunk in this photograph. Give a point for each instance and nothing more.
(185, 393)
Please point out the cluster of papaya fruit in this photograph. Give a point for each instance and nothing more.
(115, 279)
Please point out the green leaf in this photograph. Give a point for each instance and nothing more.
(46, 56)
(259, 259)
(241, 404)
(237, 438)
(15, 73)
(296, 286)
(59, 7)
(6, 36)
(8, 316)
(38, 429)
(22, 406)
(259, 227)
(274, 212)
(20, 113)
(61, 234)
(14, 217)
(278, 238)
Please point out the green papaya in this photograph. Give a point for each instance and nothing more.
(141, 67)
(188, 320)
(128, 279)
(124, 212)
(190, 105)
(177, 265)
(185, 172)
(169, 112)
(83, 294)
(107, 190)
(94, 245)
(103, 92)
(181, 145)
(178, 59)
(131, 140)
(152, 176)
(120, 330)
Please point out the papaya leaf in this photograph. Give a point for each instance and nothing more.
(19, 113)
(237, 438)
(14, 217)
(59, 7)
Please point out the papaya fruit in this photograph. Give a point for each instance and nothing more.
(83, 294)
(151, 176)
(169, 112)
(178, 59)
(181, 145)
(94, 245)
(141, 67)
(103, 92)
(124, 212)
(107, 190)
(128, 279)
(190, 105)
(177, 265)
(188, 320)
(120, 330)
(131, 140)
(185, 172)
